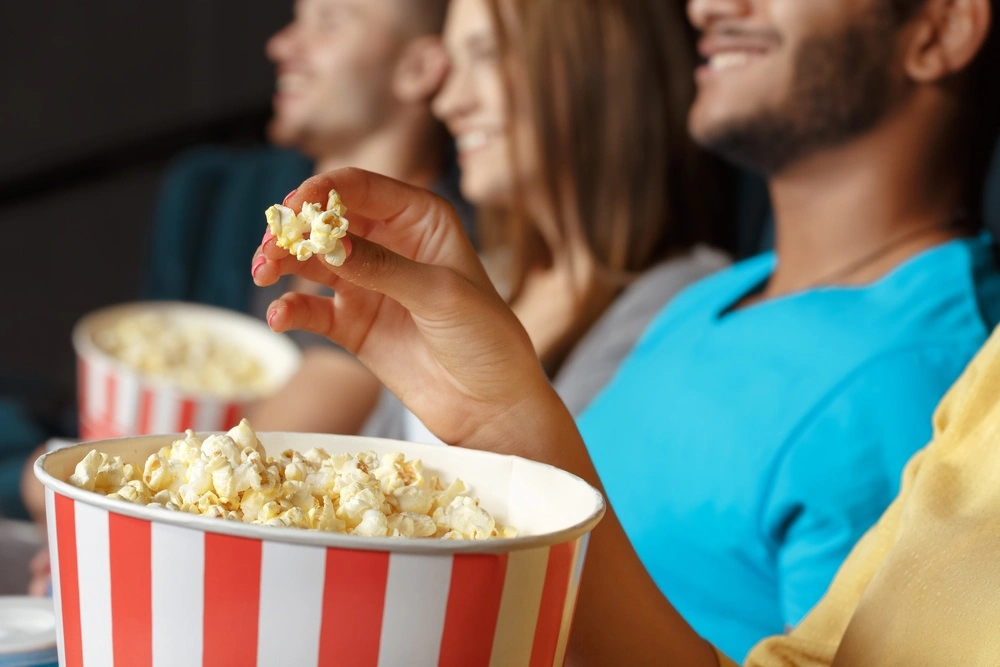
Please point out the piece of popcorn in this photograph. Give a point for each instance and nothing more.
(324, 517)
(409, 524)
(316, 456)
(209, 499)
(296, 494)
(111, 476)
(464, 515)
(85, 474)
(373, 524)
(134, 492)
(356, 498)
(219, 512)
(412, 499)
(297, 470)
(157, 473)
(291, 518)
(244, 435)
(270, 510)
(248, 475)
(197, 482)
(391, 473)
(505, 532)
(323, 482)
(444, 498)
(313, 231)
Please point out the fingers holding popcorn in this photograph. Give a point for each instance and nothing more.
(337, 318)
(271, 262)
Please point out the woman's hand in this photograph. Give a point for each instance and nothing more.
(415, 305)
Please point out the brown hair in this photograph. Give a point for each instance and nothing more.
(611, 82)
(423, 17)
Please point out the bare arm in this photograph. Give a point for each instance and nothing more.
(331, 393)
(32, 491)
(414, 303)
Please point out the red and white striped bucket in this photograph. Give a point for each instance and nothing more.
(145, 587)
(115, 401)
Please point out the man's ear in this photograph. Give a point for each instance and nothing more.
(421, 70)
(946, 37)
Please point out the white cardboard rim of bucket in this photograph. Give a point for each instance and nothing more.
(505, 466)
(283, 349)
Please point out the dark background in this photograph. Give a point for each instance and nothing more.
(98, 97)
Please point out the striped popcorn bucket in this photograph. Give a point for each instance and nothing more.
(143, 587)
(115, 401)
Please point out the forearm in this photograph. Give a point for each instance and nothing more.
(32, 491)
(621, 617)
(331, 393)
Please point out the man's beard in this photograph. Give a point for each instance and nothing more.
(280, 134)
(305, 140)
(841, 88)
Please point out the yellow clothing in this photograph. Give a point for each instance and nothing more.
(922, 588)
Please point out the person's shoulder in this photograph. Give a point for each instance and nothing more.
(703, 285)
(948, 296)
(609, 341)
(728, 280)
(216, 156)
(658, 285)
(200, 175)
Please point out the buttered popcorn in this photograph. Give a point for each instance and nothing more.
(230, 477)
(313, 231)
(190, 357)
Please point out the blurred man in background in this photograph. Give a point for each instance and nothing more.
(354, 84)
(354, 81)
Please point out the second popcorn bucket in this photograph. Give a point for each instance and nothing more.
(117, 399)
(146, 586)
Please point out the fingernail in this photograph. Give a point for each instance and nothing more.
(347, 246)
(270, 318)
(267, 236)
(257, 263)
(289, 196)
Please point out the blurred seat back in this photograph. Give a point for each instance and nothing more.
(209, 219)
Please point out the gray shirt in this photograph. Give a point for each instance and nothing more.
(594, 360)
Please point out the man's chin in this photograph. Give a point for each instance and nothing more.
(764, 145)
(283, 134)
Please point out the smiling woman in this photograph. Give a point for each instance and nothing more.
(570, 119)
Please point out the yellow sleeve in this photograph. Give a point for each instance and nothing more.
(815, 641)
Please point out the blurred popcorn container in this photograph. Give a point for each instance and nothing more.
(162, 367)
(143, 586)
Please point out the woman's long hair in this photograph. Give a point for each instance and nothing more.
(609, 85)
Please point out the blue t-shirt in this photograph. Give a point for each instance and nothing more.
(745, 452)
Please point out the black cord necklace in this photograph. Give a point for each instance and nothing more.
(881, 251)
(954, 222)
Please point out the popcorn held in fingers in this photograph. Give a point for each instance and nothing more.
(231, 477)
(193, 358)
(313, 231)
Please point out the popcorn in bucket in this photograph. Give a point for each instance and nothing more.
(137, 585)
(166, 367)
